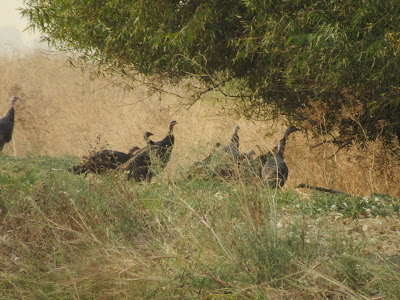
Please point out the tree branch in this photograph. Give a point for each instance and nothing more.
(321, 189)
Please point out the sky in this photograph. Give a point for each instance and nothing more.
(12, 34)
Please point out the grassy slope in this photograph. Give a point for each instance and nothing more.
(66, 236)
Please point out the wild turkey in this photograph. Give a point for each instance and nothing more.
(233, 147)
(200, 166)
(104, 160)
(275, 170)
(219, 162)
(7, 125)
(248, 166)
(256, 164)
(151, 159)
(225, 162)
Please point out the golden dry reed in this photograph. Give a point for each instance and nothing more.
(63, 112)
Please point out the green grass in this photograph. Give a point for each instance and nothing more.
(349, 206)
(65, 236)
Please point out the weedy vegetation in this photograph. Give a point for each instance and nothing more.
(67, 236)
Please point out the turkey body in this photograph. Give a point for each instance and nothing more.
(225, 162)
(102, 161)
(233, 147)
(151, 159)
(7, 125)
(201, 167)
(105, 160)
(275, 170)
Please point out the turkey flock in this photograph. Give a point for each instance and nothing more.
(227, 162)
(141, 164)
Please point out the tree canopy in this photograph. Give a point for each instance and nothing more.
(332, 66)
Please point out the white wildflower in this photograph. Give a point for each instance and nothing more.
(219, 196)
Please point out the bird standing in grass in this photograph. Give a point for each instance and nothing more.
(233, 147)
(102, 161)
(105, 160)
(225, 162)
(275, 171)
(151, 159)
(7, 125)
(201, 166)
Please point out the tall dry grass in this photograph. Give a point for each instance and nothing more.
(63, 112)
(64, 236)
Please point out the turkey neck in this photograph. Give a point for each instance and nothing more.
(281, 147)
(235, 137)
(168, 140)
(10, 114)
(235, 140)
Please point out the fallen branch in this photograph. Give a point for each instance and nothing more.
(317, 188)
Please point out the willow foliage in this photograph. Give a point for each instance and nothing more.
(331, 65)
